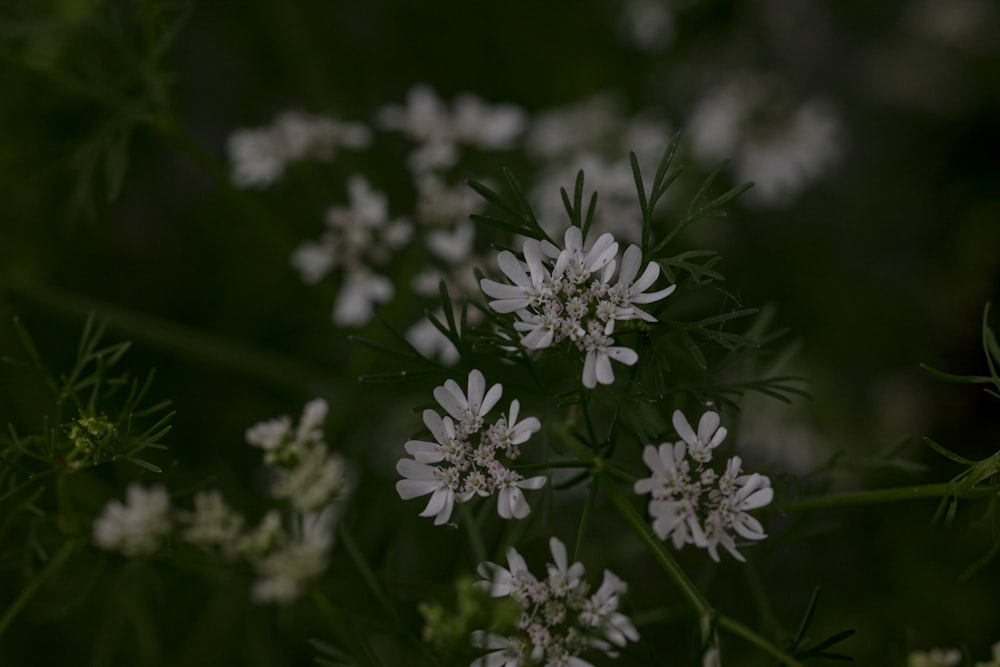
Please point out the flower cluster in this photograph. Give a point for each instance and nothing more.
(439, 130)
(285, 554)
(137, 528)
(691, 502)
(939, 657)
(357, 238)
(559, 617)
(470, 454)
(259, 156)
(573, 300)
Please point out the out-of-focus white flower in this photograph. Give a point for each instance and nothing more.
(783, 146)
(214, 524)
(934, 658)
(693, 504)
(284, 572)
(357, 238)
(439, 131)
(467, 456)
(559, 618)
(317, 478)
(138, 527)
(647, 24)
(431, 343)
(258, 157)
(360, 292)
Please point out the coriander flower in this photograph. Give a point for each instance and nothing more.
(559, 618)
(563, 297)
(468, 456)
(284, 572)
(693, 504)
(709, 435)
(137, 528)
(213, 523)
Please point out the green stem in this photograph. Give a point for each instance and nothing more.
(855, 498)
(752, 637)
(472, 530)
(54, 565)
(346, 634)
(361, 563)
(184, 341)
(656, 547)
(585, 518)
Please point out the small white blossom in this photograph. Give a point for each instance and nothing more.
(214, 524)
(571, 300)
(559, 619)
(935, 658)
(258, 157)
(710, 435)
(467, 457)
(693, 504)
(138, 527)
(284, 572)
(439, 131)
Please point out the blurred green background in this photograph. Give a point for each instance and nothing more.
(113, 122)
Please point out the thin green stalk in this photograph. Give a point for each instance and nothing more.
(752, 637)
(585, 518)
(185, 341)
(658, 549)
(346, 634)
(855, 498)
(591, 433)
(54, 565)
(472, 530)
(361, 563)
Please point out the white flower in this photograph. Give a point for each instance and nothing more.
(709, 435)
(316, 478)
(421, 479)
(283, 573)
(597, 363)
(214, 523)
(361, 291)
(137, 528)
(698, 506)
(578, 262)
(629, 291)
(470, 453)
(468, 410)
(558, 621)
(526, 290)
(512, 651)
(935, 658)
(431, 343)
(259, 156)
(572, 302)
(511, 503)
(427, 120)
(270, 435)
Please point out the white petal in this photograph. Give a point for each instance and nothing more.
(604, 372)
(513, 269)
(491, 398)
(630, 264)
(413, 488)
(707, 425)
(450, 403)
(623, 355)
(477, 387)
(683, 428)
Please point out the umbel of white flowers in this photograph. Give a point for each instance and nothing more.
(286, 554)
(570, 297)
(559, 618)
(467, 457)
(692, 503)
